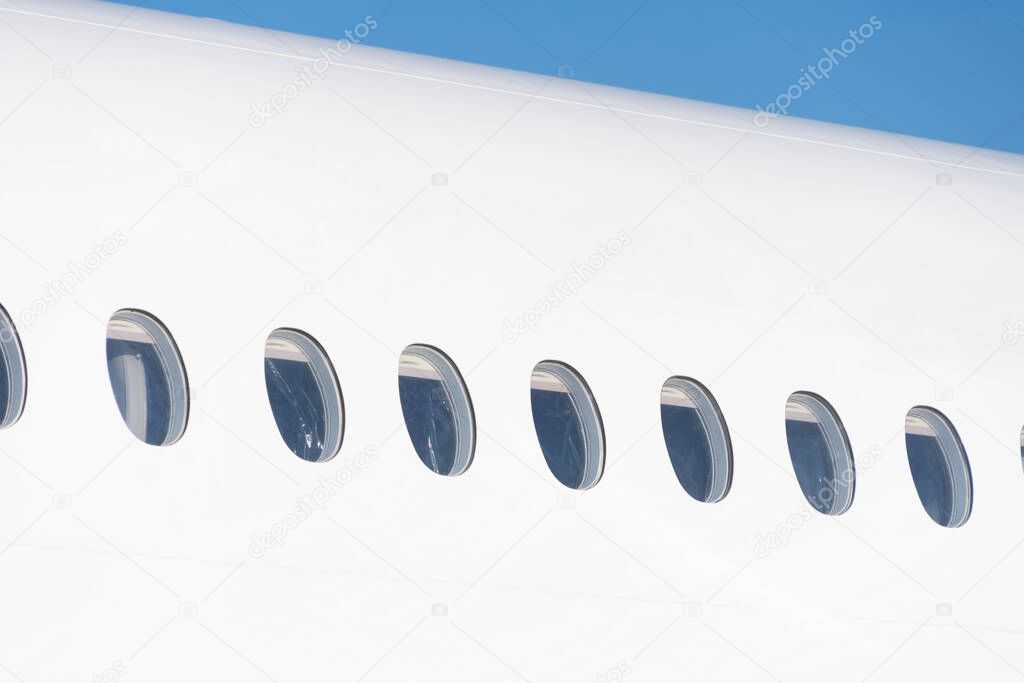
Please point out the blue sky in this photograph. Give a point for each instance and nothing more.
(945, 69)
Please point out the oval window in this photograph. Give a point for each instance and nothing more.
(821, 453)
(437, 409)
(939, 466)
(696, 438)
(304, 394)
(1022, 446)
(147, 376)
(568, 424)
(13, 375)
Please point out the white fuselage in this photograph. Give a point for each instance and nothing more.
(231, 181)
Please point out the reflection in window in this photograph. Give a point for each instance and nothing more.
(939, 466)
(568, 424)
(821, 453)
(304, 394)
(12, 372)
(147, 376)
(437, 409)
(697, 439)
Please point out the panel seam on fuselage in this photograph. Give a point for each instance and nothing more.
(506, 91)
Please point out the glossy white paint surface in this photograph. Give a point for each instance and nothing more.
(803, 256)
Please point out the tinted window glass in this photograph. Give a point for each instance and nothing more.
(820, 452)
(697, 439)
(147, 376)
(568, 424)
(12, 372)
(939, 466)
(304, 394)
(437, 409)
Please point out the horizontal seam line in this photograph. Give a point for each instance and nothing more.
(547, 98)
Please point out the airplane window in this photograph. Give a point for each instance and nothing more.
(437, 409)
(568, 424)
(147, 376)
(13, 376)
(697, 439)
(820, 452)
(304, 394)
(939, 467)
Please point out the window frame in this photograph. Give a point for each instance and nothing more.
(172, 363)
(588, 414)
(463, 414)
(12, 355)
(951, 447)
(326, 378)
(840, 451)
(716, 432)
